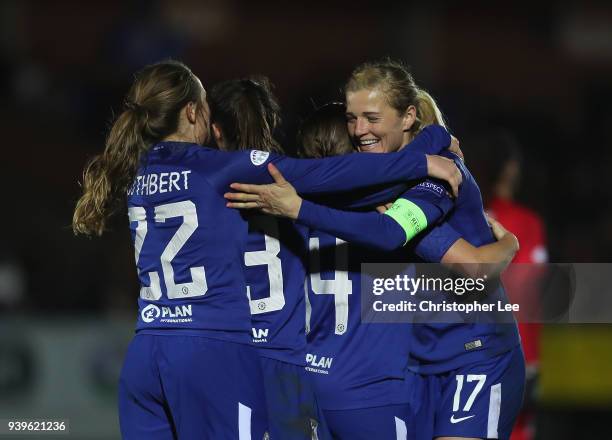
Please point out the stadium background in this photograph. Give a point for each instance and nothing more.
(67, 305)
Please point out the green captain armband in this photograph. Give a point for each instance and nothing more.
(410, 217)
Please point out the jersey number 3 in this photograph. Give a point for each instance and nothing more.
(268, 256)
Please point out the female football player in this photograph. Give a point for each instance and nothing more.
(190, 371)
(245, 114)
(469, 369)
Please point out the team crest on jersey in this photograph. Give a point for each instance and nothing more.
(258, 157)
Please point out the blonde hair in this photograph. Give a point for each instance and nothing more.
(151, 113)
(396, 83)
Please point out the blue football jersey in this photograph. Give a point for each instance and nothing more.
(189, 247)
(357, 364)
(383, 232)
(352, 364)
(438, 347)
(359, 370)
(275, 268)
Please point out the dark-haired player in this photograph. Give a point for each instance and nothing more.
(245, 113)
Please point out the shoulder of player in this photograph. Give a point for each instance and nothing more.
(252, 157)
(207, 159)
(458, 161)
(199, 153)
(201, 162)
(468, 178)
(434, 186)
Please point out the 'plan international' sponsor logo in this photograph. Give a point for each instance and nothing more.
(174, 314)
(318, 364)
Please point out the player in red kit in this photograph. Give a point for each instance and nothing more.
(522, 281)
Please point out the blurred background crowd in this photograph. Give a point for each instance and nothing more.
(537, 77)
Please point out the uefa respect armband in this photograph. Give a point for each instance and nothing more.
(410, 217)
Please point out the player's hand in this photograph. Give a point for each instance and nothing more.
(278, 198)
(383, 208)
(502, 233)
(444, 169)
(454, 147)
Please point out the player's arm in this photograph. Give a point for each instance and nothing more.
(364, 228)
(365, 199)
(418, 207)
(488, 260)
(443, 244)
(412, 213)
(343, 173)
(371, 197)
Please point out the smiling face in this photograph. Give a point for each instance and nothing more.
(375, 126)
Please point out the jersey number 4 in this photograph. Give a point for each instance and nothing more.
(186, 210)
(340, 286)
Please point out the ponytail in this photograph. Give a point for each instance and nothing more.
(256, 125)
(428, 112)
(151, 113)
(108, 175)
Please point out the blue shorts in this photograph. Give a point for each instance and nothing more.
(191, 387)
(481, 400)
(391, 422)
(291, 403)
